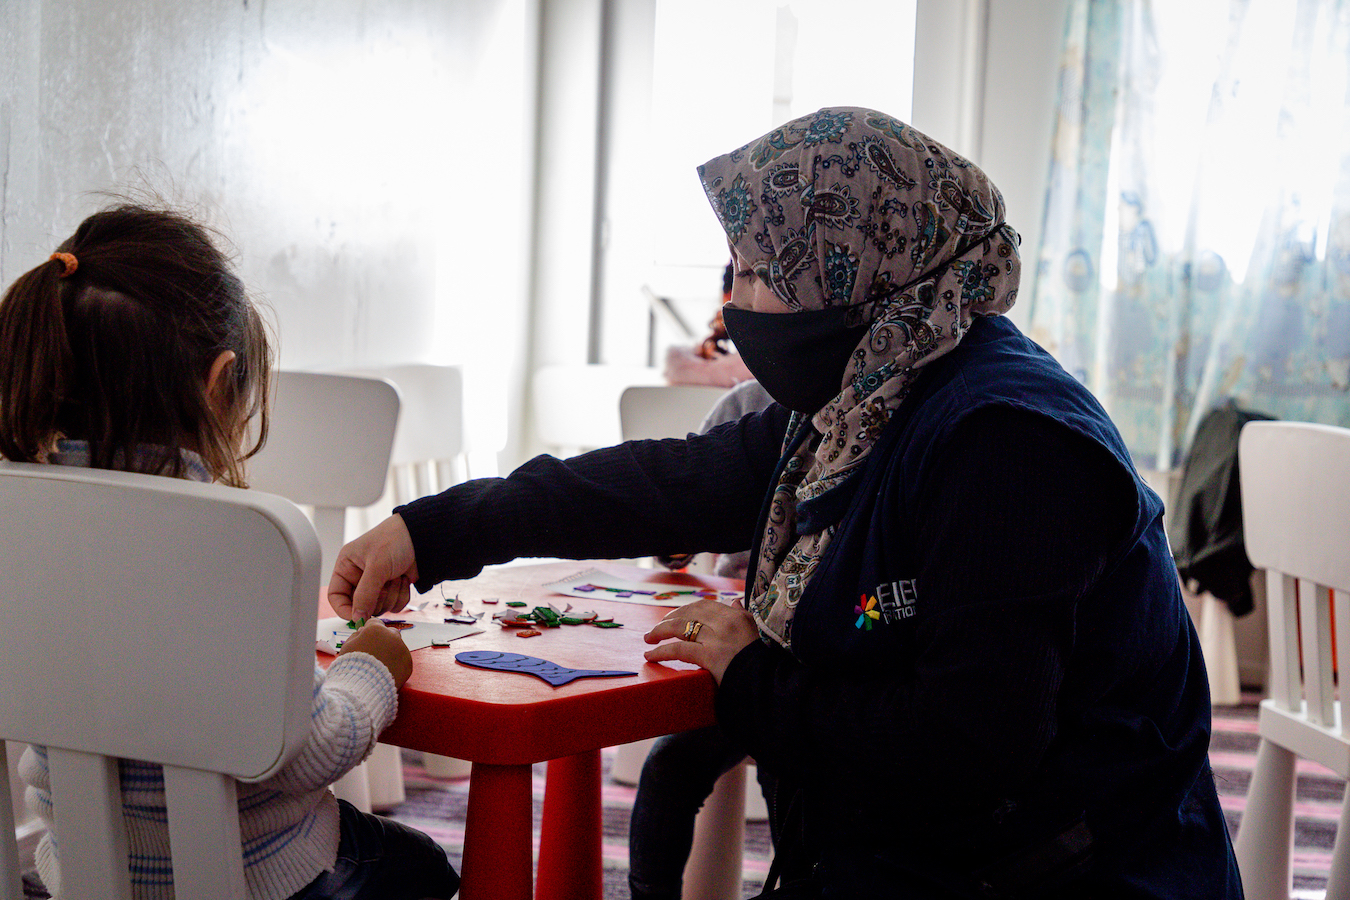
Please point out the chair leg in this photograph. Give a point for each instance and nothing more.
(1338, 884)
(1266, 834)
(628, 760)
(439, 766)
(714, 869)
(1219, 647)
(384, 770)
(756, 809)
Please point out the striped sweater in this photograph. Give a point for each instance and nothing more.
(288, 823)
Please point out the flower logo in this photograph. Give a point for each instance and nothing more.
(867, 613)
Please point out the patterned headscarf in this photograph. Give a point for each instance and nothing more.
(850, 207)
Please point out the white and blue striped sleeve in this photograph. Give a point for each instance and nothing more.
(352, 703)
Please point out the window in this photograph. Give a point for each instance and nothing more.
(727, 71)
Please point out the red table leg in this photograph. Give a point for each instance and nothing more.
(569, 845)
(498, 857)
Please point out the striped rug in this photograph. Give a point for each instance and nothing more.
(1317, 804)
(437, 806)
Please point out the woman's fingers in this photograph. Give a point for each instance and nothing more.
(665, 629)
(673, 625)
(706, 633)
(683, 651)
(373, 572)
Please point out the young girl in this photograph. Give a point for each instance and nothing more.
(134, 347)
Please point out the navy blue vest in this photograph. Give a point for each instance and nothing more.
(1130, 755)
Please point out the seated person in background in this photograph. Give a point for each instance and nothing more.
(134, 347)
(712, 362)
(715, 344)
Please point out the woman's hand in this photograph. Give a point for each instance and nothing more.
(722, 632)
(383, 643)
(373, 573)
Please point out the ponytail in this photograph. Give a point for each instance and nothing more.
(35, 362)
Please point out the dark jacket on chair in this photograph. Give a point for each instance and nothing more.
(1205, 529)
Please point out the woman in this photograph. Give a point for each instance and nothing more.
(965, 659)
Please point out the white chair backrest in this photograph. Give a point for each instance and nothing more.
(428, 453)
(1296, 524)
(575, 406)
(151, 618)
(666, 410)
(432, 424)
(328, 447)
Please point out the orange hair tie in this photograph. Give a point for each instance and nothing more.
(68, 263)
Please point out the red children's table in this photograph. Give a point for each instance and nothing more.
(504, 722)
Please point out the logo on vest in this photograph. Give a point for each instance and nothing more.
(890, 603)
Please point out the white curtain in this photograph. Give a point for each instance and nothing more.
(1197, 230)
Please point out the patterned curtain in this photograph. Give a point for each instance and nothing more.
(1197, 230)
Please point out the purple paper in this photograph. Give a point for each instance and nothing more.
(551, 672)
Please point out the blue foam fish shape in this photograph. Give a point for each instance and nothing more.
(551, 672)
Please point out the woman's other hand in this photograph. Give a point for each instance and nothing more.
(383, 643)
(722, 632)
(373, 574)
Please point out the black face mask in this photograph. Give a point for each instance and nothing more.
(798, 357)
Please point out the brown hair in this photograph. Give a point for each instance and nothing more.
(116, 351)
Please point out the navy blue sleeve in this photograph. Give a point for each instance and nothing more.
(641, 498)
(1016, 520)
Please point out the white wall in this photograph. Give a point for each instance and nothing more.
(345, 146)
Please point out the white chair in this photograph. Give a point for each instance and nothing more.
(194, 612)
(328, 448)
(429, 453)
(1217, 630)
(429, 444)
(655, 411)
(648, 412)
(575, 407)
(666, 410)
(1296, 519)
(1234, 648)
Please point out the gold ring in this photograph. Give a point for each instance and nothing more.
(691, 631)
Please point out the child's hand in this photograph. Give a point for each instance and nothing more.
(383, 643)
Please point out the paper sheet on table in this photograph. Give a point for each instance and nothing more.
(416, 634)
(593, 584)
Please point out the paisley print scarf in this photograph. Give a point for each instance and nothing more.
(851, 207)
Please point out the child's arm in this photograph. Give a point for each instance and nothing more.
(353, 703)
